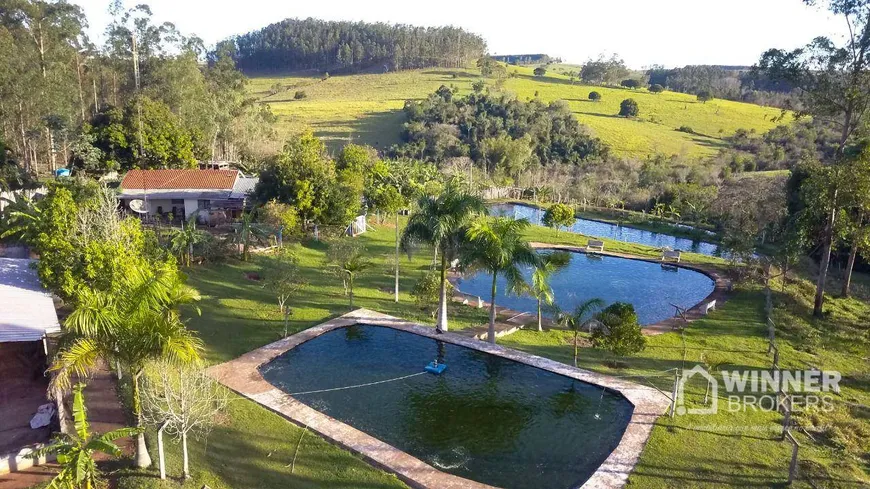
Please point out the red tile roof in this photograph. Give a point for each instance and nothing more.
(180, 179)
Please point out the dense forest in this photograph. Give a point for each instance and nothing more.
(728, 82)
(142, 98)
(295, 44)
(502, 134)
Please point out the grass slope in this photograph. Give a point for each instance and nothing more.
(366, 108)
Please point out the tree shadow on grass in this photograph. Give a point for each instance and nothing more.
(377, 129)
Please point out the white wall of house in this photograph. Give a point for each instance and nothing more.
(190, 207)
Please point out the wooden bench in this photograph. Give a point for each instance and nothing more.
(671, 255)
(595, 245)
(710, 306)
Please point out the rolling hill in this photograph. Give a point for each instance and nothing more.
(366, 108)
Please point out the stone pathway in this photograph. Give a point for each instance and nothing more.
(509, 321)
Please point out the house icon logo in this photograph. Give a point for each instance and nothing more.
(681, 392)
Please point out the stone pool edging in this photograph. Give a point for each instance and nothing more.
(720, 293)
(242, 376)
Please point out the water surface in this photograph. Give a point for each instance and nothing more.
(487, 418)
(611, 231)
(650, 287)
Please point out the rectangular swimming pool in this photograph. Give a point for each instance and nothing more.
(486, 418)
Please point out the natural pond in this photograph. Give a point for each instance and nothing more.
(486, 418)
(650, 287)
(611, 231)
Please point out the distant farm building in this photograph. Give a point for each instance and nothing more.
(216, 195)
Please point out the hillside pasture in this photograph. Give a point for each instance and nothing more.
(366, 108)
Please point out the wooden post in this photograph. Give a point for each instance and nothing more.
(787, 420)
(793, 466)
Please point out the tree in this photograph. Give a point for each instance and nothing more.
(558, 215)
(629, 108)
(248, 231)
(427, 291)
(283, 218)
(346, 259)
(137, 323)
(604, 70)
(497, 245)
(479, 86)
(619, 333)
(540, 288)
(441, 222)
(540, 71)
(181, 400)
(581, 318)
(705, 96)
(630, 83)
(284, 280)
(183, 239)
(833, 84)
(656, 88)
(594, 96)
(75, 451)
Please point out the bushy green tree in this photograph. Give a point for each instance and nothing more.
(705, 96)
(629, 108)
(630, 83)
(540, 71)
(558, 215)
(656, 88)
(346, 258)
(619, 332)
(594, 96)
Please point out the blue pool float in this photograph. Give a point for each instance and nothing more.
(436, 368)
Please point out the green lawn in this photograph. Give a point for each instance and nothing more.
(367, 109)
(252, 446)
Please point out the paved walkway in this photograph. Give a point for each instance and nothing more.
(509, 321)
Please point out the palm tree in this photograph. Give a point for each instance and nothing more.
(348, 260)
(248, 231)
(441, 222)
(583, 316)
(128, 327)
(540, 288)
(496, 244)
(22, 218)
(75, 450)
(182, 239)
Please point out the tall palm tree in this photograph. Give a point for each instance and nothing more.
(128, 327)
(442, 222)
(540, 288)
(497, 245)
(182, 240)
(75, 450)
(584, 315)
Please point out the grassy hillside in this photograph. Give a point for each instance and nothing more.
(367, 109)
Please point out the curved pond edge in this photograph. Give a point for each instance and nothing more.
(242, 375)
(719, 295)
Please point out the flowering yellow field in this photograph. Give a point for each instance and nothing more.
(367, 109)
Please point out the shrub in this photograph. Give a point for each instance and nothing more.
(300, 94)
(620, 333)
(630, 83)
(629, 108)
(686, 129)
(426, 291)
(478, 86)
(558, 215)
(705, 96)
(540, 71)
(656, 88)
(594, 96)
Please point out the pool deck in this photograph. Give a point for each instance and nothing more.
(242, 376)
(509, 321)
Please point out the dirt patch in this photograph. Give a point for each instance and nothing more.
(253, 276)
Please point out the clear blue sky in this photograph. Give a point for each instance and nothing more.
(643, 32)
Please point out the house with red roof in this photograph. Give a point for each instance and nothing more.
(212, 194)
